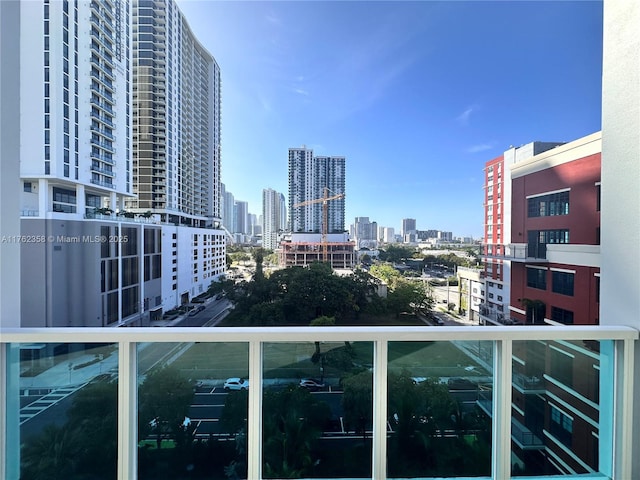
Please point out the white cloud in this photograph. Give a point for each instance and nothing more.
(481, 147)
(465, 116)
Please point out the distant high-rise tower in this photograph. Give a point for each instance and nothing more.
(308, 177)
(176, 136)
(242, 217)
(365, 232)
(272, 203)
(228, 217)
(408, 226)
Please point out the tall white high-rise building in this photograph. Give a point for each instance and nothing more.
(272, 217)
(228, 208)
(309, 175)
(75, 121)
(96, 262)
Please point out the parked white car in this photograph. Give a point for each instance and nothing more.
(236, 383)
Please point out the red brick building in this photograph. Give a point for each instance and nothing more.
(555, 235)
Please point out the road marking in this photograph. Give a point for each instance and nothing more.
(38, 406)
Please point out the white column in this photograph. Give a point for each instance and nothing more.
(81, 200)
(620, 213)
(43, 198)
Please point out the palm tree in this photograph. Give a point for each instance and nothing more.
(52, 455)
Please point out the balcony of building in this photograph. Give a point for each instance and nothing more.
(493, 316)
(516, 252)
(379, 391)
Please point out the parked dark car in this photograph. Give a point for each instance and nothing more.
(196, 310)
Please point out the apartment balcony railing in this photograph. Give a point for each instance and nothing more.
(102, 183)
(518, 252)
(40, 368)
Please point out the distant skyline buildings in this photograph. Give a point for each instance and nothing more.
(273, 217)
(309, 175)
(365, 233)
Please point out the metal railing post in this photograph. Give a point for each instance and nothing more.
(127, 411)
(501, 406)
(379, 444)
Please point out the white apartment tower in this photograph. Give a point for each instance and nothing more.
(308, 177)
(272, 224)
(72, 86)
(176, 135)
(75, 117)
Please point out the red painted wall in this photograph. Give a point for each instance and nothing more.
(583, 222)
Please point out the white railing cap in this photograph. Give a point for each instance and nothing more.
(307, 334)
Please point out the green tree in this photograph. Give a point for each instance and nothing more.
(52, 455)
(164, 399)
(357, 402)
(293, 421)
(240, 257)
(93, 415)
(396, 253)
(409, 296)
(386, 273)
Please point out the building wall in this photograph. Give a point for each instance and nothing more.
(91, 273)
(10, 94)
(192, 258)
(620, 295)
(572, 168)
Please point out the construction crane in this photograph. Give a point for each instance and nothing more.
(325, 215)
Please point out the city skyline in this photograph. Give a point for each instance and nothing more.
(417, 97)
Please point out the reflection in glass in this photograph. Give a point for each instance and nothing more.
(317, 410)
(556, 407)
(436, 421)
(68, 410)
(189, 424)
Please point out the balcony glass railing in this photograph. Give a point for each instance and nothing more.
(314, 402)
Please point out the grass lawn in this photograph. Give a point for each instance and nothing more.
(293, 360)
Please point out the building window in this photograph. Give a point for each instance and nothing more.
(64, 200)
(561, 426)
(561, 366)
(549, 205)
(562, 282)
(537, 278)
(561, 315)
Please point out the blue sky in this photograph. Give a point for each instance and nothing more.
(416, 95)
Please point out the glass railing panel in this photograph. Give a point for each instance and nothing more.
(62, 413)
(317, 410)
(438, 425)
(192, 410)
(556, 407)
